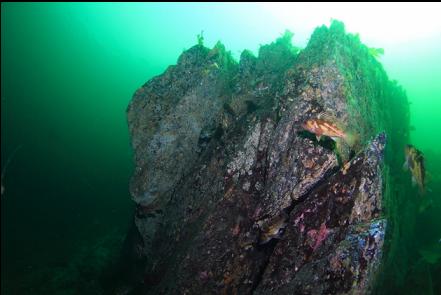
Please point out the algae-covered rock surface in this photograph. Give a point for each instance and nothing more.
(234, 196)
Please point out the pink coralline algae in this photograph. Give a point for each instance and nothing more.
(318, 235)
(299, 220)
(203, 275)
(236, 230)
(302, 225)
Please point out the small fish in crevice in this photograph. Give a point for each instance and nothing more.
(327, 125)
(273, 228)
(415, 163)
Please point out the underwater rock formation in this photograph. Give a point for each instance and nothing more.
(333, 239)
(234, 197)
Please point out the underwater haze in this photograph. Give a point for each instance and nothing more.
(68, 72)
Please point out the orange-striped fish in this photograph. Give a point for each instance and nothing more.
(327, 125)
(415, 163)
(323, 127)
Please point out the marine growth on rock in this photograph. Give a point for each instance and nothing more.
(235, 197)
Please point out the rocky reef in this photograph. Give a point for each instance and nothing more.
(234, 197)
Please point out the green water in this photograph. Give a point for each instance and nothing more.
(68, 72)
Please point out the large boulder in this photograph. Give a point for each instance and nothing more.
(234, 197)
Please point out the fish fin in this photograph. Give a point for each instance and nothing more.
(414, 182)
(331, 118)
(352, 139)
(279, 234)
(327, 117)
(264, 239)
(406, 165)
(343, 151)
(318, 137)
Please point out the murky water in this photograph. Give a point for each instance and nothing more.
(68, 72)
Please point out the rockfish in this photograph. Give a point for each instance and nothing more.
(272, 229)
(415, 163)
(321, 127)
(325, 126)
